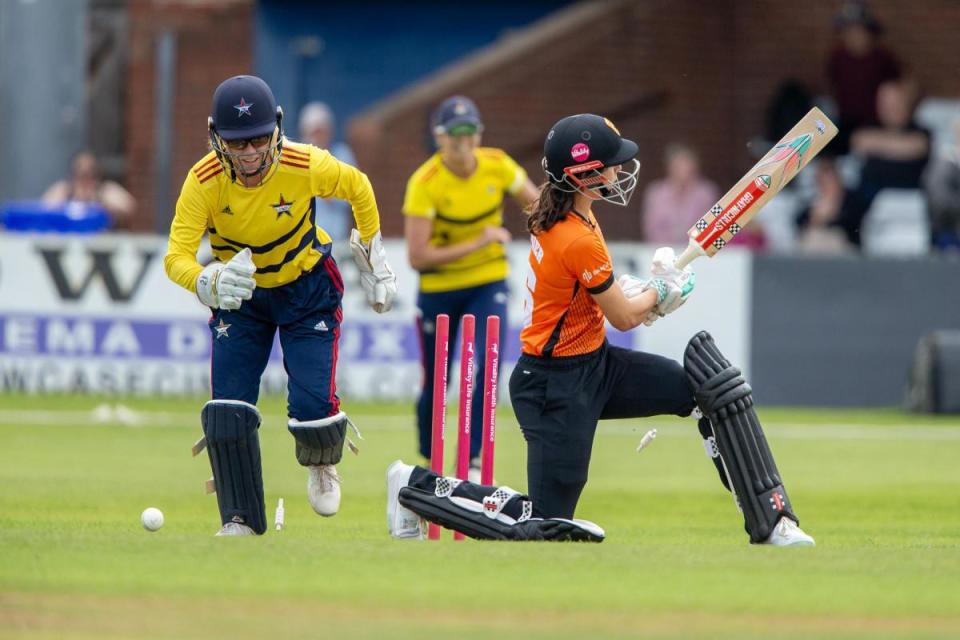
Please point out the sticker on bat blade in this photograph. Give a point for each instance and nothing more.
(709, 233)
(791, 154)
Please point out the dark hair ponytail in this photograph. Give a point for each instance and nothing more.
(550, 208)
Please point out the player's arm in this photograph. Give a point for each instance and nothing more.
(419, 212)
(335, 179)
(901, 145)
(622, 312)
(519, 186)
(186, 230)
(424, 256)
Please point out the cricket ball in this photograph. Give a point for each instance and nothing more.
(151, 518)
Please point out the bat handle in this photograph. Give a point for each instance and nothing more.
(692, 251)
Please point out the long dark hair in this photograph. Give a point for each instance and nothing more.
(550, 208)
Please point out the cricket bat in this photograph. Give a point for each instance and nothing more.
(772, 173)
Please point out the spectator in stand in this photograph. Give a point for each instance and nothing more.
(894, 153)
(86, 185)
(317, 127)
(673, 203)
(856, 68)
(824, 227)
(942, 185)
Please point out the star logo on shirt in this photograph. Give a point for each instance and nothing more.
(243, 109)
(221, 329)
(282, 207)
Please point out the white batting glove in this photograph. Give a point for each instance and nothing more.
(226, 285)
(681, 281)
(632, 287)
(376, 277)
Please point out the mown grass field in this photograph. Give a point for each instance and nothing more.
(880, 491)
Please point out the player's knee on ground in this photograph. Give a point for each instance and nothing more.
(319, 441)
(233, 445)
(726, 399)
(487, 512)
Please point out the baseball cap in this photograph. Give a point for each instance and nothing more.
(583, 138)
(455, 112)
(244, 107)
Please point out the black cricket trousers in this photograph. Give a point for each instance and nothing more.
(558, 402)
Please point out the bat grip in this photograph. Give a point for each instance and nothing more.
(692, 251)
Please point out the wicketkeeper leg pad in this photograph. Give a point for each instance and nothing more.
(490, 513)
(726, 399)
(233, 444)
(320, 441)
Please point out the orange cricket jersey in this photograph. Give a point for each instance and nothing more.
(567, 264)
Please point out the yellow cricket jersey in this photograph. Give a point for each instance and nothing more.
(276, 219)
(460, 209)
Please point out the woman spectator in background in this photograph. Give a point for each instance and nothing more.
(86, 185)
(673, 203)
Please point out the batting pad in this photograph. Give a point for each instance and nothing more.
(481, 512)
(320, 441)
(726, 399)
(233, 445)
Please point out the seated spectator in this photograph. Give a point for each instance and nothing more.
(317, 128)
(942, 185)
(856, 68)
(825, 227)
(86, 185)
(894, 153)
(672, 204)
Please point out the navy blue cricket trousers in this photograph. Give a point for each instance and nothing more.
(482, 301)
(307, 313)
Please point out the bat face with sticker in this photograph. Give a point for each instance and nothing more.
(772, 173)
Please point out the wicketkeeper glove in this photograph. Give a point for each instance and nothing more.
(377, 278)
(226, 285)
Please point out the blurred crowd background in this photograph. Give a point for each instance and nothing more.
(106, 101)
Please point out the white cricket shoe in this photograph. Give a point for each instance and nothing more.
(401, 522)
(323, 489)
(235, 529)
(787, 534)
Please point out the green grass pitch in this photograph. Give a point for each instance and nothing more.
(879, 490)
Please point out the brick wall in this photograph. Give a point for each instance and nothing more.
(214, 41)
(663, 70)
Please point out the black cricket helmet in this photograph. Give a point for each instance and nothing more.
(578, 149)
(244, 109)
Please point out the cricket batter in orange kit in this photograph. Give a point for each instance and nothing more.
(254, 194)
(569, 377)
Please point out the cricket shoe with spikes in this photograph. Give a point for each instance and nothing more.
(234, 529)
(786, 533)
(323, 489)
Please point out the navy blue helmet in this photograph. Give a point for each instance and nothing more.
(245, 111)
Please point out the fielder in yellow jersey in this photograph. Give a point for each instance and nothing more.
(455, 238)
(254, 195)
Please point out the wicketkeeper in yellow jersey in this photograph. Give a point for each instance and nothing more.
(253, 193)
(455, 238)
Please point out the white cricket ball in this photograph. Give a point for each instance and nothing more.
(152, 518)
